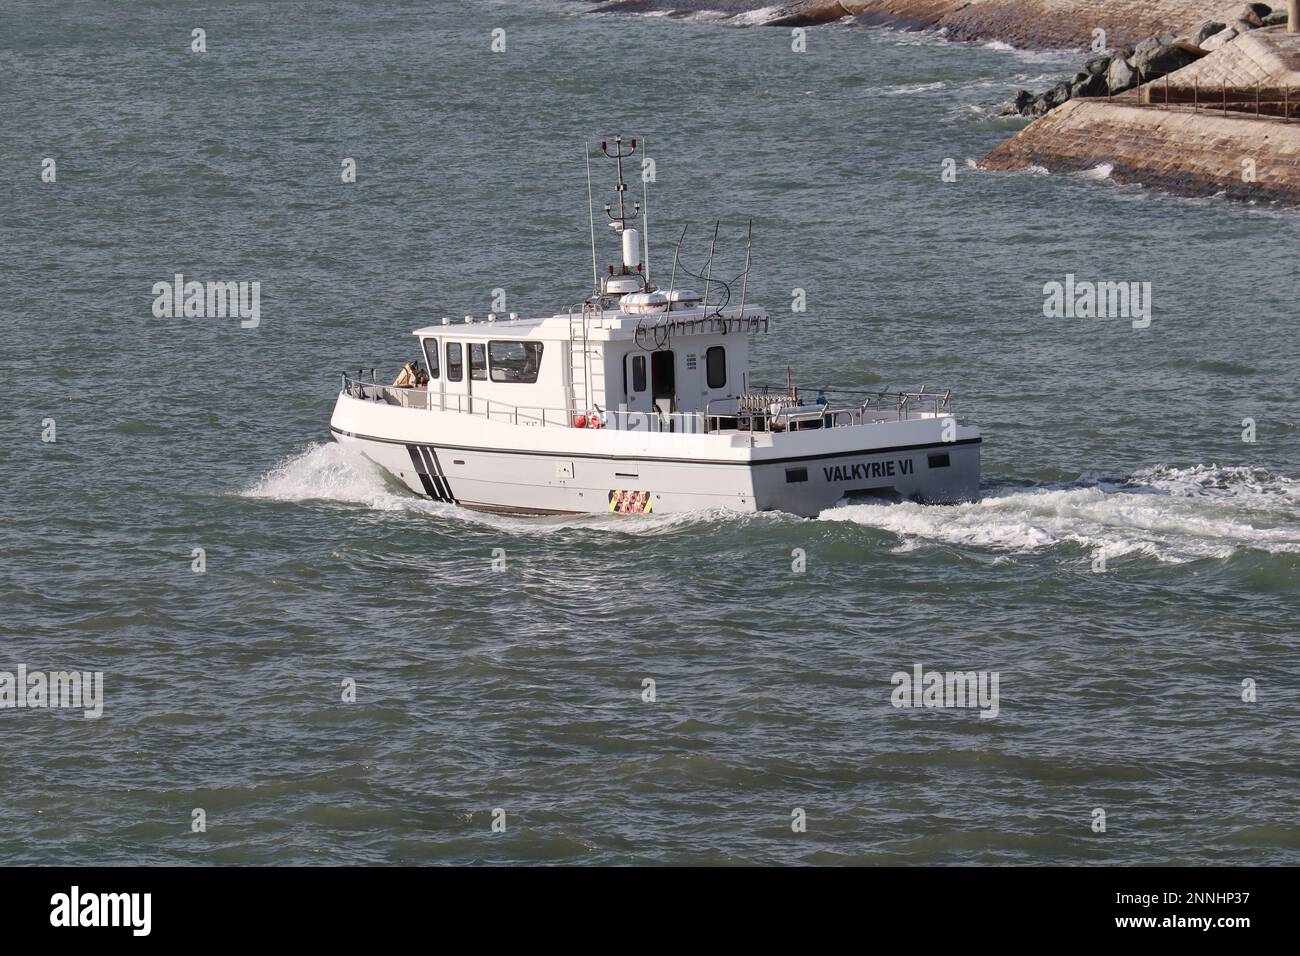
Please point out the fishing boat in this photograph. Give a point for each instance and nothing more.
(639, 399)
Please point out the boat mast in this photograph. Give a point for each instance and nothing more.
(621, 222)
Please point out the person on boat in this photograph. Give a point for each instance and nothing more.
(409, 376)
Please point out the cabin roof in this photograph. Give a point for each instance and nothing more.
(610, 325)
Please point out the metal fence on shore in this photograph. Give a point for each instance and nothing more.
(1260, 100)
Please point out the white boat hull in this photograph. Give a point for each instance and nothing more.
(500, 466)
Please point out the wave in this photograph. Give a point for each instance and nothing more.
(907, 89)
(1098, 172)
(759, 17)
(1171, 514)
(1052, 56)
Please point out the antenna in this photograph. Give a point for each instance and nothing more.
(672, 282)
(619, 155)
(749, 237)
(645, 217)
(591, 216)
(708, 279)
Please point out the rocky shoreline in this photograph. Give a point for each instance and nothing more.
(1154, 58)
(1026, 23)
(1223, 124)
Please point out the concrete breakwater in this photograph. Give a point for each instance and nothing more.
(1179, 150)
(1227, 123)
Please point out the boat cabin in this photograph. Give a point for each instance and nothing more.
(660, 371)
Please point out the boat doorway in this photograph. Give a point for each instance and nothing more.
(455, 382)
(663, 385)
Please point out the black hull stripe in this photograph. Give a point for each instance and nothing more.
(747, 463)
(442, 476)
(431, 472)
(432, 479)
(417, 460)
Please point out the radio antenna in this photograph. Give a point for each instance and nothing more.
(645, 216)
(708, 279)
(749, 238)
(672, 283)
(591, 217)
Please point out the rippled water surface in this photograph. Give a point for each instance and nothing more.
(522, 690)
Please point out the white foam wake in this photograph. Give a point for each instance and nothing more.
(1172, 514)
(331, 472)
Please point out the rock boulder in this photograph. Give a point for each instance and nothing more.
(1120, 76)
(1206, 30)
(1220, 39)
(1165, 58)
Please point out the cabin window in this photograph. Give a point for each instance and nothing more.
(455, 362)
(515, 361)
(638, 373)
(715, 360)
(431, 356)
(478, 361)
(940, 461)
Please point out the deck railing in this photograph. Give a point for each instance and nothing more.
(862, 407)
(768, 409)
(421, 398)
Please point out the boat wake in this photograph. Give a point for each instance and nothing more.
(331, 473)
(1171, 514)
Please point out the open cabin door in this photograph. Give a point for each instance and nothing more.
(651, 392)
(663, 386)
